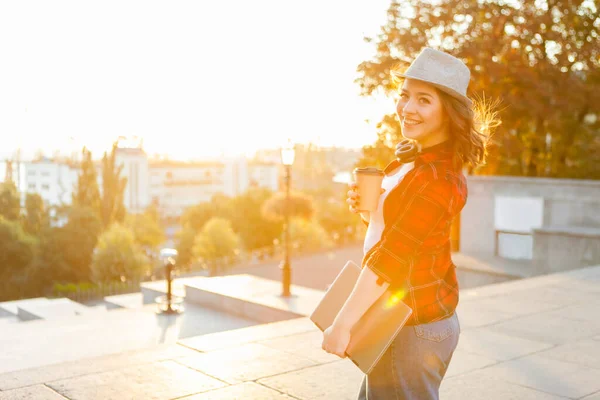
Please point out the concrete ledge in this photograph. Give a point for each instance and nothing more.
(252, 297)
(11, 307)
(575, 231)
(151, 290)
(55, 308)
(565, 248)
(539, 181)
(132, 300)
(493, 265)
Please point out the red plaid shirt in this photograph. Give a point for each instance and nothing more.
(413, 255)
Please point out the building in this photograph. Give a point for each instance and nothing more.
(136, 170)
(171, 185)
(174, 186)
(54, 182)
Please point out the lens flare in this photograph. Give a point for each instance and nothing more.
(395, 299)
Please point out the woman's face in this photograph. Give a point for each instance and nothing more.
(421, 114)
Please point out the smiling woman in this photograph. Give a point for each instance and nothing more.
(407, 244)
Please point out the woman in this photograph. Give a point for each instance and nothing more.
(407, 244)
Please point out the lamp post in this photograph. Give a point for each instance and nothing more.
(287, 159)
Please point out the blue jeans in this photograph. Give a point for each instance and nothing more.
(414, 364)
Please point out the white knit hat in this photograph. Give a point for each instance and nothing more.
(447, 73)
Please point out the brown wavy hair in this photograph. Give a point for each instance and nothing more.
(471, 127)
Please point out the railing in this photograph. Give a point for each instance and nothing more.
(98, 292)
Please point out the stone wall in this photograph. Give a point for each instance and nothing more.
(566, 203)
(558, 249)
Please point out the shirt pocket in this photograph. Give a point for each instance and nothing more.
(436, 331)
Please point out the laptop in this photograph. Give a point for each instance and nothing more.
(375, 331)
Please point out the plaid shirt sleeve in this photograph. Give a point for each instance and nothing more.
(428, 209)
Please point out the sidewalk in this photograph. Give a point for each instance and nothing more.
(535, 338)
(318, 270)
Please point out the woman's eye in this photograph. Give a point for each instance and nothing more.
(403, 96)
(424, 101)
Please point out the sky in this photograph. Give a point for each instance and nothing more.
(194, 79)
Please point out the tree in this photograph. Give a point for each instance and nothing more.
(87, 193)
(17, 250)
(300, 206)
(196, 216)
(185, 246)
(250, 224)
(146, 230)
(117, 257)
(10, 202)
(540, 58)
(36, 216)
(66, 252)
(333, 215)
(49, 265)
(112, 208)
(80, 237)
(216, 243)
(309, 235)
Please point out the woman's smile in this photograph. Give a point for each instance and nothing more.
(410, 122)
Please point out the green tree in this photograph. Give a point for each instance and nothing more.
(49, 265)
(117, 257)
(333, 215)
(86, 192)
(81, 235)
(10, 202)
(36, 216)
(540, 58)
(309, 235)
(146, 230)
(66, 251)
(217, 244)
(300, 206)
(112, 208)
(17, 250)
(185, 245)
(196, 216)
(250, 224)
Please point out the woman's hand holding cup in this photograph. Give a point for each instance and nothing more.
(353, 201)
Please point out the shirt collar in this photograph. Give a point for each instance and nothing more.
(441, 151)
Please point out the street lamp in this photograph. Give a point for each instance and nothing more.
(287, 159)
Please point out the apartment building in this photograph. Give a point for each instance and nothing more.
(172, 185)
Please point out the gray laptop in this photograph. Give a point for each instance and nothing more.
(375, 331)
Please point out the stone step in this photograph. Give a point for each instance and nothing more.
(71, 369)
(54, 309)
(151, 290)
(11, 307)
(131, 301)
(185, 348)
(252, 297)
(44, 342)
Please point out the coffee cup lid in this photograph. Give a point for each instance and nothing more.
(368, 170)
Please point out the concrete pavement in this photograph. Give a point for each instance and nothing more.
(536, 338)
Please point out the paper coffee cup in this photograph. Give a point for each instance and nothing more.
(369, 182)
